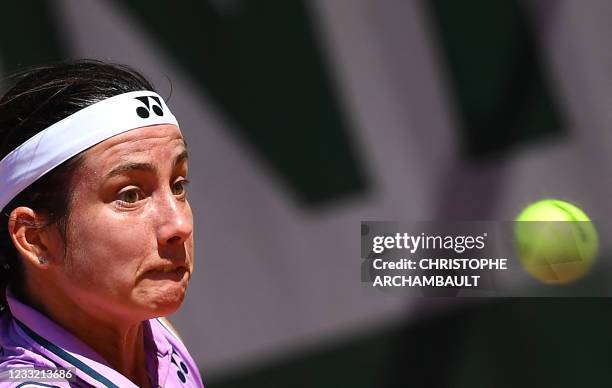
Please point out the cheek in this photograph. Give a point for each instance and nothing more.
(107, 244)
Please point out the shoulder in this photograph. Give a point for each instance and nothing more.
(16, 354)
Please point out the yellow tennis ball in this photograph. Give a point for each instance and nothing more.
(556, 241)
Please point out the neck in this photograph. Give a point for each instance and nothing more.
(116, 339)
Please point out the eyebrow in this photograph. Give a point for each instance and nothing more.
(180, 158)
(134, 166)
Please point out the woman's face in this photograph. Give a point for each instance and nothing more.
(129, 237)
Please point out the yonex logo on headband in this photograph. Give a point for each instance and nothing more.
(145, 112)
(76, 133)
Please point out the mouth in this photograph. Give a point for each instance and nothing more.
(170, 272)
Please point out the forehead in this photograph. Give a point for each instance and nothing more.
(158, 142)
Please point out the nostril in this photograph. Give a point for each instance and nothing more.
(174, 240)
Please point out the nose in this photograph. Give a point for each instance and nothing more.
(175, 221)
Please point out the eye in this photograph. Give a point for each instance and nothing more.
(129, 196)
(179, 187)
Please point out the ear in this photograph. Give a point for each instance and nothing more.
(30, 236)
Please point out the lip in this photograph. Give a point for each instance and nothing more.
(173, 272)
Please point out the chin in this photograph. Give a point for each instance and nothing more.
(163, 307)
(163, 301)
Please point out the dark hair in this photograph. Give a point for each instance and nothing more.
(40, 97)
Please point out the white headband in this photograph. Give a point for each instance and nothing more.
(76, 133)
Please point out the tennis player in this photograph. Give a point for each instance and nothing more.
(96, 234)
